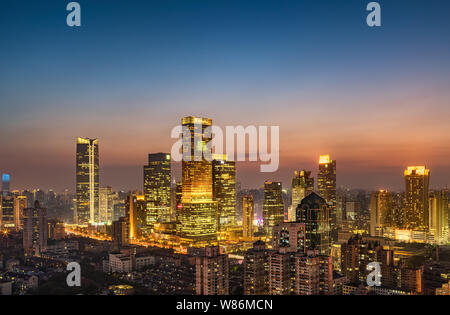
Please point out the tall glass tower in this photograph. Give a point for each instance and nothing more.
(326, 187)
(87, 177)
(197, 213)
(224, 191)
(157, 188)
(5, 184)
(417, 179)
(273, 206)
(302, 186)
(314, 212)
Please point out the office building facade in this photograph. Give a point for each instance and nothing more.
(273, 206)
(87, 181)
(157, 190)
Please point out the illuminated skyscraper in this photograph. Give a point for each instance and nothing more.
(178, 193)
(35, 230)
(20, 203)
(302, 186)
(136, 213)
(381, 212)
(118, 206)
(438, 217)
(157, 188)
(247, 217)
(5, 184)
(398, 209)
(87, 168)
(314, 212)
(6, 204)
(326, 186)
(273, 206)
(224, 191)
(196, 170)
(7, 220)
(416, 197)
(106, 205)
(197, 213)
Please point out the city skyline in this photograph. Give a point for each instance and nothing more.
(235, 149)
(252, 167)
(374, 99)
(257, 182)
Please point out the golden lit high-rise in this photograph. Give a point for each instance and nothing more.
(20, 203)
(381, 212)
(302, 186)
(326, 187)
(135, 209)
(157, 188)
(273, 206)
(7, 220)
(224, 191)
(247, 217)
(417, 179)
(106, 205)
(438, 216)
(197, 213)
(87, 170)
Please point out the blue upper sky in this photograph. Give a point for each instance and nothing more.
(140, 48)
(138, 66)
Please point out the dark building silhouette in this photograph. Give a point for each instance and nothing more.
(314, 212)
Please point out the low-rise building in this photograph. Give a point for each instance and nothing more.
(444, 290)
(5, 288)
(120, 263)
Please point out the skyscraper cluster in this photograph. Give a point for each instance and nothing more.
(199, 210)
(12, 206)
(321, 245)
(293, 252)
(289, 267)
(420, 214)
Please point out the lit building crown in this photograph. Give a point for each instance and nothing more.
(81, 140)
(196, 120)
(417, 170)
(324, 159)
(219, 157)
